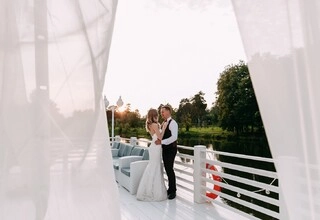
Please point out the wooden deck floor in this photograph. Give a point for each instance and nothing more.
(181, 208)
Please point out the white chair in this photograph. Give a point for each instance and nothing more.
(131, 169)
(123, 151)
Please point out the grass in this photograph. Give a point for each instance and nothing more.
(208, 132)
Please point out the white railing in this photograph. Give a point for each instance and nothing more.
(258, 195)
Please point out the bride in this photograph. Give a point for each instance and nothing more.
(152, 186)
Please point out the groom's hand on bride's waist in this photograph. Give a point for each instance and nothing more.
(158, 141)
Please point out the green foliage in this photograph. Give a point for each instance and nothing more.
(132, 119)
(236, 102)
(126, 121)
(184, 114)
(199, 108)
(186, 121)
(212, 116)
(192, 111)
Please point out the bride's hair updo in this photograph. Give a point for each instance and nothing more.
(152, 117)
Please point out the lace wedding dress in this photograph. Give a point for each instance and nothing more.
(152, 187)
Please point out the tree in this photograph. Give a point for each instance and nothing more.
(184, 113)
(192, 111)
(130, 119)
(199, 107)
(236, 102)
(212, 116)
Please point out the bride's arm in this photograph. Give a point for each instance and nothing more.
(155, 127)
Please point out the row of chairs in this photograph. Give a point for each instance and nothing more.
(129, 163)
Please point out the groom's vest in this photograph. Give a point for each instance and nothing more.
(167, 134)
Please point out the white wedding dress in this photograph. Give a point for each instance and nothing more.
(152, 187)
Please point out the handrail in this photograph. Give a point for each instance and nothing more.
(243, 168)
(243, 156)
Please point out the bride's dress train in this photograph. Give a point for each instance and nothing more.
(152, 186)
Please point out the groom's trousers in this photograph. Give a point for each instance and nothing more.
(169, 153)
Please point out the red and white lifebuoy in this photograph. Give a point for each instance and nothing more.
(216, 178)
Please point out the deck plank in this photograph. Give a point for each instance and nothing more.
(181, 208)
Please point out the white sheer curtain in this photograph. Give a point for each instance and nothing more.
(54, 160)
(282, 42)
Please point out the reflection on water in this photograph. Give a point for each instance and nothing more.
(248, 146)
(257, 146)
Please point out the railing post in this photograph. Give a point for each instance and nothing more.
(133, 141)
(117, 138)
(199, 154)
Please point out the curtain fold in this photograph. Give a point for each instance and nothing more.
(281, 40)
(54, 157)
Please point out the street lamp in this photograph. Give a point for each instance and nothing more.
(112, 108)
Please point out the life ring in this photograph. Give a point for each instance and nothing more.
(216, 178)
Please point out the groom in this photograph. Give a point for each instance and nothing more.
(169, 148)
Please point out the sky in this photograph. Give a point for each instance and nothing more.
(163, 51)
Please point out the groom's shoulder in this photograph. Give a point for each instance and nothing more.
(174, 121)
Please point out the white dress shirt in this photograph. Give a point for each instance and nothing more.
(173, 127)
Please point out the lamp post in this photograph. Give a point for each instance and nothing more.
(112, 108)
